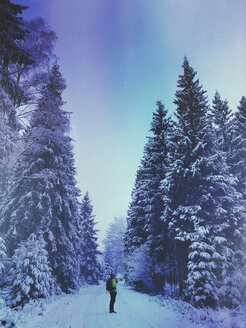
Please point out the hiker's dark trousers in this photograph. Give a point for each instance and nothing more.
(112, 301)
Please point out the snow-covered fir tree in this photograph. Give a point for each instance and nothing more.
(30, 274)
(229, 286)
(144, 222)
(155, 163)
(200, 194)
(136, 234)
(178, 187)
(234, 266)
(90, 267)
(44, 193)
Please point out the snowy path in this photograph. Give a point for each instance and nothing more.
(89, 309)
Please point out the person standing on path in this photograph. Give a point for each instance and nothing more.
(111, 287)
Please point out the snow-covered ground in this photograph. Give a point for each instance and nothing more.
(89, 309)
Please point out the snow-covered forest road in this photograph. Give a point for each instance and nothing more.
(89, 309)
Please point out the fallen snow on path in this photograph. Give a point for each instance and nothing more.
(89, 309)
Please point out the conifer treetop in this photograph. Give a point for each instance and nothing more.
(191, 99)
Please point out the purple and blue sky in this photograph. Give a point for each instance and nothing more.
(119, 57)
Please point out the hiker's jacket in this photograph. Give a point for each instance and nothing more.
(114, 285)
(111, 285)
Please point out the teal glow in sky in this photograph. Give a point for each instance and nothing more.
(119, 57)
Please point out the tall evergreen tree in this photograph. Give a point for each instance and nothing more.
(156, 162)
(180, 204)
(44, 193)
(235, 264)
(229, 286)
(136, 233)
(199, 194)
(138, 225)
(90, 268)
(145, 225)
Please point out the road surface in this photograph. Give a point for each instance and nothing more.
(89, 309)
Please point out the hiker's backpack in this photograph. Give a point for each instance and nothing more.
(109, 284)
